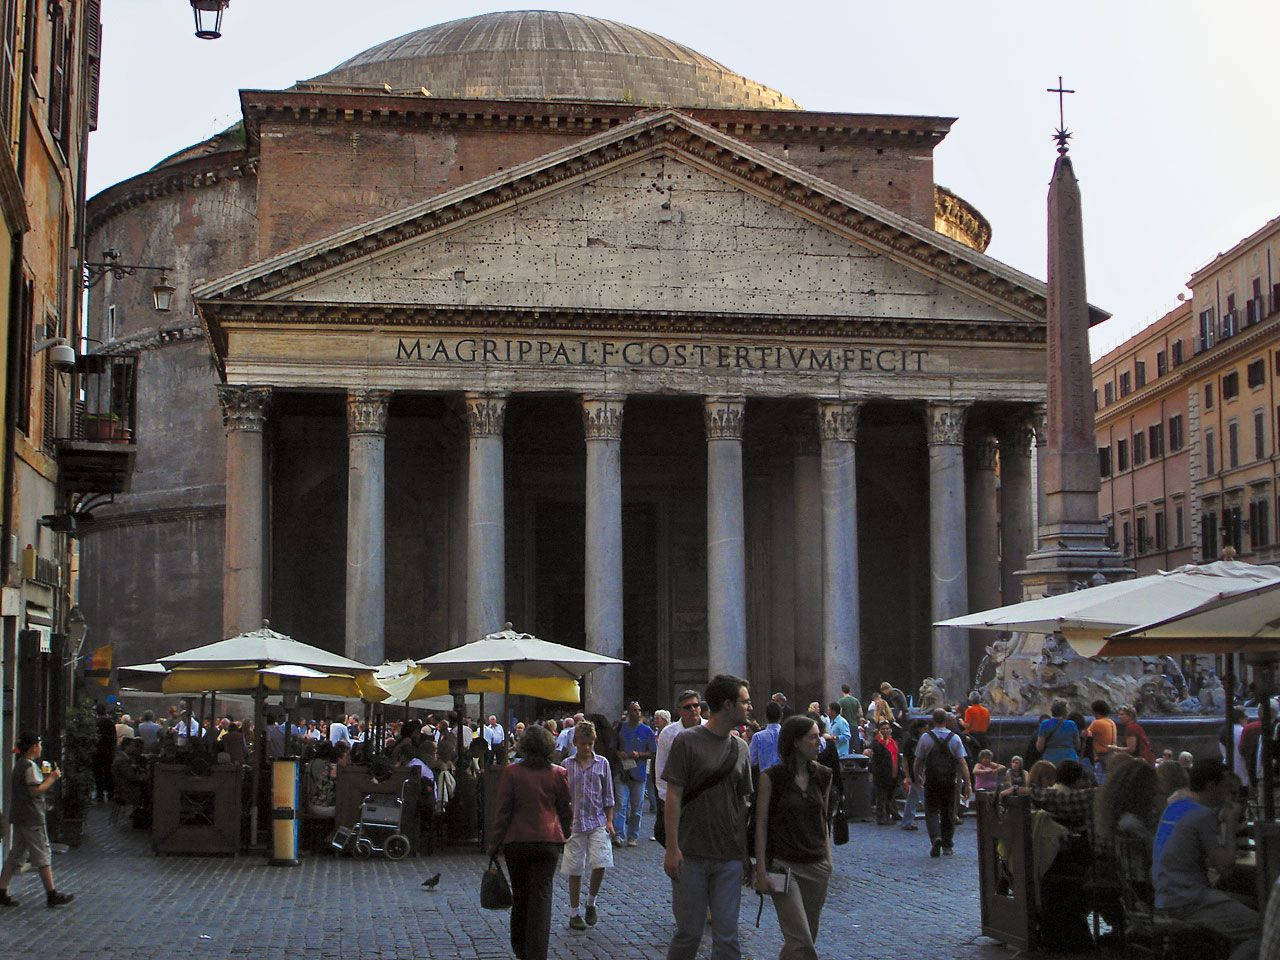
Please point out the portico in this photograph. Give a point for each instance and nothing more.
(681, 404)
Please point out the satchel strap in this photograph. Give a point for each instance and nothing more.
(724, 770)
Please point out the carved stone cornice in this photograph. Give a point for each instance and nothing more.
(984, 448)
(665, 133)
(602, 417)
(945, 423)
(244, 408)
(723, 417)
(192, 174)
(838, 420)
(486, 413)
(367, 412)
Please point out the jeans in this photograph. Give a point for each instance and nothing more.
(707, 884)
(629, 802)
(1226, 915)
(914, 799)
(939, 811)
(533, 868)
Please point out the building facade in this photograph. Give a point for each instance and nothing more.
(1232, 398)
(1187, 413)
(49, 55)
(1143, 450)
(484, 330)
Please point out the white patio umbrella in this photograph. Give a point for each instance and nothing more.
(520, 662)
(1244, 622)
(263, 648)
(1087, 617)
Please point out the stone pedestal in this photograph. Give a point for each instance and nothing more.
(366, 596)
(841, 630)
(244, 586)
(486, 522)
(726, 560)
(948, 551)
(602, 422)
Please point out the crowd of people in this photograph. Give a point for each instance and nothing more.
(758, 800)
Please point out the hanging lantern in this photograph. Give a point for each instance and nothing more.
(208, 15)
(162, 295)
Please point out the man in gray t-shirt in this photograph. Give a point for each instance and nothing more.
(708, 776)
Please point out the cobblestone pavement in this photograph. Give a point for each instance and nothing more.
(888, 899)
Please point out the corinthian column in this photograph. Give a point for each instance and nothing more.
(486, 529)
(726, 559)
(244, 587)
(984, 540)
(602, 422)
(1017, 529)
(841, 633)
(948, 558)
(366, 606)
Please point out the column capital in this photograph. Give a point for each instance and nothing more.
(602, 416)
(984, 448)
(944, 422)
(1040, 423)
(838, 420)
(723, 417)
(243, 408)
(485, 413)
(367, 412)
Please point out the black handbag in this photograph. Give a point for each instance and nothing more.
(495, 892)
(840, 826)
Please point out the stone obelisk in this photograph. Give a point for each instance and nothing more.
(1071, 541)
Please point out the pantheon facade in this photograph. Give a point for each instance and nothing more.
(539, 318)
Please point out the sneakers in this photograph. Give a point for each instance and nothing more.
(632, 842)
(577, 923)
(56, 899)
(948, 851)
(592, 916)
(908, 826)
(6, 900)
(936, 849)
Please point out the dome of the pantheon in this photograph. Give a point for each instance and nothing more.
(545, 55)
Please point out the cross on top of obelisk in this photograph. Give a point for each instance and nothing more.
(1062, 134)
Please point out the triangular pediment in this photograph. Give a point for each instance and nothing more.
(662, 213)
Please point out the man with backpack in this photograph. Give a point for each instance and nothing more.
(940, 759)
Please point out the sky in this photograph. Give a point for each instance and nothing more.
(1175, 116)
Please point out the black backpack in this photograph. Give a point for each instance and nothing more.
(940, 762)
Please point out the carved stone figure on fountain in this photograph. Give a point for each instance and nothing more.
(933, 694)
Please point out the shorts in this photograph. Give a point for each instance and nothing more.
(586, 851)
(30, 843)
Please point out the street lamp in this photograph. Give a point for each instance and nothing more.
(208, 15)
(161, 293)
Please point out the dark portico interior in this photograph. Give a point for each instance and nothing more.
(664, 533)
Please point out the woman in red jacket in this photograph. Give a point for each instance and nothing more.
(534, 819)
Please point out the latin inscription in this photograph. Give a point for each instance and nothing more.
(660, 354)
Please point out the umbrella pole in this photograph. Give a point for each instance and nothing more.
(1231, 709)
(507, 725)
(1264, 713)
(259, 753)
(213, 716)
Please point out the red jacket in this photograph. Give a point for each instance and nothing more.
(533, 806)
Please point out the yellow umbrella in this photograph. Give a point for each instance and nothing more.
(246, 679)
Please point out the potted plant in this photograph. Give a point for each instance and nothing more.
(102, 427)
(79, 746)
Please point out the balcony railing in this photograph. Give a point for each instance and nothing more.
(98, 453)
